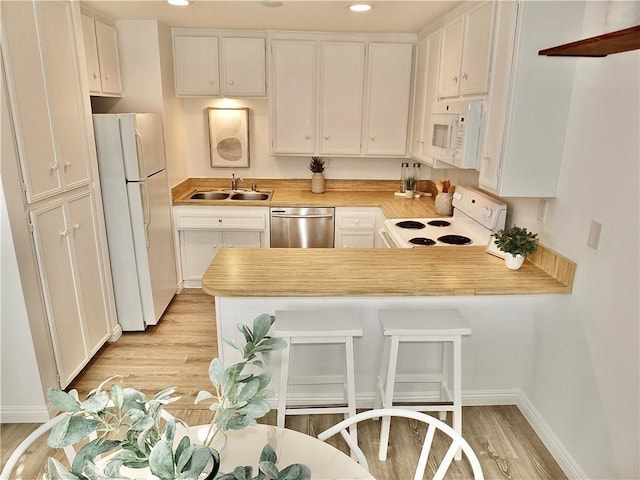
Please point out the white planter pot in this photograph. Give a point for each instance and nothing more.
(513, 262)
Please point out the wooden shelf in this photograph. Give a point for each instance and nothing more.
(600, 46)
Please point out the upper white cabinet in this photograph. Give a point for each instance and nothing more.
(342, 97)
(41, 64)
(243, 66)
(293, 96)
(529, 99)
(466, 52)
(209, 63)
(102, 59)
(387, 103)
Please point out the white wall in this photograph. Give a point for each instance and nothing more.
(584, 373)
(21, 397)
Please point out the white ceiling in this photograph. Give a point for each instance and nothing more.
(329, 15)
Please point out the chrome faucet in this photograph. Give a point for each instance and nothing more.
(234, 181)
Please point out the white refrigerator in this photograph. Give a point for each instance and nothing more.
(137, 210)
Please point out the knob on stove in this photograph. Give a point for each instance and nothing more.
(487, 212)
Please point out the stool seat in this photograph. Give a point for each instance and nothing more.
(440, 326)
(299, 327)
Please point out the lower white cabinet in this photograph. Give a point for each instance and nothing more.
(357, 227)
(72, 279)
(202, 231)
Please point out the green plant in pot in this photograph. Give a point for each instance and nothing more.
(516, 242)
(317, 179)
(129, 427)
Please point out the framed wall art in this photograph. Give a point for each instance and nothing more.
(229, 137)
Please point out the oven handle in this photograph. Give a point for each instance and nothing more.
(386, 239)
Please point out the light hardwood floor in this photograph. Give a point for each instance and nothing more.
(177, 353)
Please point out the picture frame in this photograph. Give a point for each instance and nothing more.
(229, 137)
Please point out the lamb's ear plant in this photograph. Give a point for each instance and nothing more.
(267, 469)
(129, 427)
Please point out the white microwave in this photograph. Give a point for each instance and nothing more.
(455, 133)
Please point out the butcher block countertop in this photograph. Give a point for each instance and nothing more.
(342, 272)
(298, 272)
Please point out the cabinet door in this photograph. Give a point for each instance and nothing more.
(196, 65)
(107, 44)
(341, 91)
(53, 243)
(419, 99)
(92, 290)
(197, 250)
(451, 56)
(476, 56)
(44, 79)
(91, 54)
(243, 70)
(387, 102)
(293, 103)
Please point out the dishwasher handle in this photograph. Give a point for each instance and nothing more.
(291, 215)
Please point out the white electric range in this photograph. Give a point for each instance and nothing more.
(476, 216)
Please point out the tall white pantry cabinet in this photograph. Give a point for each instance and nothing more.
(53, 139)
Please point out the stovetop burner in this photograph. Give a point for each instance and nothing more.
(439, 223)
(422, 241)
(412, 224)
(454, 240)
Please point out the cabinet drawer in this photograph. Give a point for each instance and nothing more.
(357, 221)
(241, 218)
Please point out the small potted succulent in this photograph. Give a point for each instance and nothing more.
(516, 242)
(409, 186)
(317, 179)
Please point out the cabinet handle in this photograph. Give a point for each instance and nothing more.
(211, 82)
(53, 166)
(67, 164)
(64, 233)
(464, 76)
(307, 136)
(219, 220)
(230, 82)
(357, 221)
(326, 137)
(372, 138)
(76, 227)
(95, 75)
(455, 79)
(215, 245)
(106, 77)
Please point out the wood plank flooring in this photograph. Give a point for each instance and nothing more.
(177, 353)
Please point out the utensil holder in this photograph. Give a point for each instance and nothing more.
(444, 204)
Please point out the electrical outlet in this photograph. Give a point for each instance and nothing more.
(327, 162)
(543, 204)
(594, 234)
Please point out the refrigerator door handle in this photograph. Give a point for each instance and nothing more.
(146, 211)
(140, 151)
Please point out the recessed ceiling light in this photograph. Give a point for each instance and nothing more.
(179, 3)
(360, 7)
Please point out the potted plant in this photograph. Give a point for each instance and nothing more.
(409, 186)
(516, 242)
(317, 179)
(129, 427)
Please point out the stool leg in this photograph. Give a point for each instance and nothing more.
(444, 381)
(284, 376)
(387, 402)
(382, 378)
(351, 384)
(457, 385)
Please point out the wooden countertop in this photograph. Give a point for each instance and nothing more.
(442, 271)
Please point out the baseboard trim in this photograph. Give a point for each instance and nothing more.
(561, 455)
(22, 414)
(116, 333)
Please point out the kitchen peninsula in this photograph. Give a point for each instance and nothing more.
(248, 282)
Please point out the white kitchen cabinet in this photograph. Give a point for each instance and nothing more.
(195, 60)
(71, 275)
(41, 63)
(201, 231)
(357, 227)
(293, 97)
(529, 99)
(210, 63)
(242, 67)
(466, 52)
(102, 58)
(425, 97)
(388, 91)
(341, 95)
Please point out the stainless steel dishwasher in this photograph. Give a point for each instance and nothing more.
(302, 227)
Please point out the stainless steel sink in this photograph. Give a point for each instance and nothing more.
(250, 196)
(233, 195)
(209, 196)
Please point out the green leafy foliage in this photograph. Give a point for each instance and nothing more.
(316, 165)
(129, 427)
(516, 240)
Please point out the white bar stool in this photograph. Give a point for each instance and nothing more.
(422, 326)
(317, 327)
